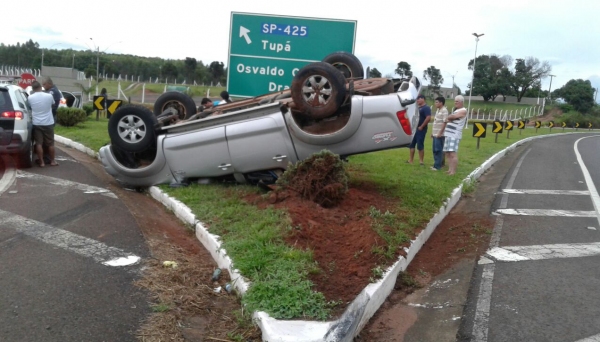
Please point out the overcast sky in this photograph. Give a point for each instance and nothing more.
(422, 33)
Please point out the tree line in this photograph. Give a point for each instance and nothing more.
(504, 76)
(29, 55)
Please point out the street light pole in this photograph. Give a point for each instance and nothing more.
(472, 76)
(550, 88)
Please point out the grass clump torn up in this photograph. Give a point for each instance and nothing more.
(254, 239)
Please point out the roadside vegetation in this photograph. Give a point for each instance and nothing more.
(254, 237)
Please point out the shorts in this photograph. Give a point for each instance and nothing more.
(44, 135)
(418, 140)
(451, 144)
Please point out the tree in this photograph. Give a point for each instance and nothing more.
(216, 70)
(577, 93)
(527, 72)
(190, 65)
(491, 76)
(374, 73)
(403, 70)
(169, 71)
(434, 76)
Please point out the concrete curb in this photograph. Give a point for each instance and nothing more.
(366, 303)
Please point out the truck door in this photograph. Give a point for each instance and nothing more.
(199, 153)
(260, 144)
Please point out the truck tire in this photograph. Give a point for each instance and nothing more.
(318, 90)
(181, 102)
(348, 64)
(131, 128)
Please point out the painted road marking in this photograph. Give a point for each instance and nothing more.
(544, 192)
(595, 338)
(588, 180)
(547, 212)
(9, 175)
(106, 255)
(87, 189)
(544, 252)
(484, 298)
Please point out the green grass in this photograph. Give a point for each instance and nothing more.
(91, 133)
(254, 238)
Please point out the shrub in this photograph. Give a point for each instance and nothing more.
(70, 116)
(88, 108)
(320, 178)
(565, 107)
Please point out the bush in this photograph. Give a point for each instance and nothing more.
(88, 108)
(565, 107)
(68, 117)
(320, 178)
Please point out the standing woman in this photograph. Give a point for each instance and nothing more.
(453, 133)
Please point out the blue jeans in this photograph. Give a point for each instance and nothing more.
(438, 146)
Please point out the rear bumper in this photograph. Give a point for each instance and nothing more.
(15, 145)
(156, 173)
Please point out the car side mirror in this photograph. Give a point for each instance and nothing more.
(407, 102)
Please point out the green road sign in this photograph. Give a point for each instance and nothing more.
(265, 51)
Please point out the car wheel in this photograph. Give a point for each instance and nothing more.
(318, 90)
(348, 64)
(26, 157)
(131, 128)
(181, 102)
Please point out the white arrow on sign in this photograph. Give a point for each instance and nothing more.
(244, 33)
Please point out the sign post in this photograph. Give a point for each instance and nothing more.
(538, 124)
(479, 129)
(521, 126)
(576, 126)
(266, 51)
(590, 126)
(564, 124)
(508, 126)
(497, 128)
(550, 124)
(98, 105)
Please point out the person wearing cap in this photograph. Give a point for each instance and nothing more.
(453, 133)
(419, 137)
(439, 124)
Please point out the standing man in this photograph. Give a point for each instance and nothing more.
(52, 90)
(43, 123)
(439, 124)
(419, 138)
(453, 133)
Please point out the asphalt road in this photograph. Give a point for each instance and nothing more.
(539, 280)
(70, 251)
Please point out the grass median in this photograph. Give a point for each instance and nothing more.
(255, 238)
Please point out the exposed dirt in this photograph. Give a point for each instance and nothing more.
(341, 238)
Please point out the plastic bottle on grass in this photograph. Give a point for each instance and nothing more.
(216, 274)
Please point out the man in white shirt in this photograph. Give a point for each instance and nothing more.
(43, 122)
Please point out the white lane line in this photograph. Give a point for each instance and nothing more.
(588, 180)
(547, 212)
(8, 177)
(106, 255)
(544, 192)
(484, 300)
(544, 252)
(87, 189)
(595, 338)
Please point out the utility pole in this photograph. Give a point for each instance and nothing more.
(550, 88)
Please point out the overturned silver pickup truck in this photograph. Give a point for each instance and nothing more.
(329, 106)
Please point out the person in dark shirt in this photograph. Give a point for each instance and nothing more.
(52, 90)
(419, 138)
(225, 96)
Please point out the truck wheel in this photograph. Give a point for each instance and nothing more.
(131, 128)
(348, 64)
(318, 90)
(181, 102)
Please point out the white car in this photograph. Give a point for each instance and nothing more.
(16, 124)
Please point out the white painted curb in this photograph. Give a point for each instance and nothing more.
(366, 303)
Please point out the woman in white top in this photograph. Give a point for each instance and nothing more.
(453, 133)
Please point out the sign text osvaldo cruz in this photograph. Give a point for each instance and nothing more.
(266, 51)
